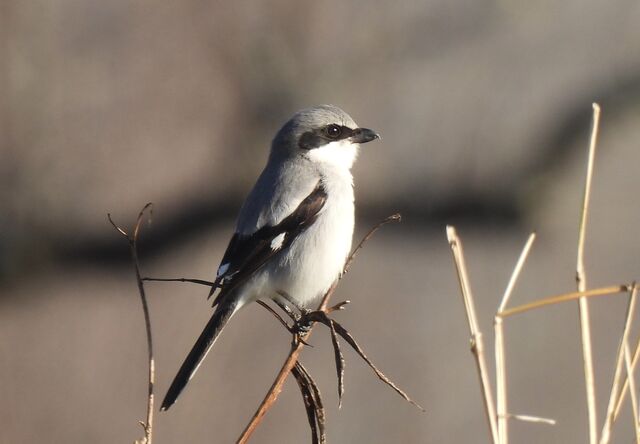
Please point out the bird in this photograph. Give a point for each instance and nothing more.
(294, 231)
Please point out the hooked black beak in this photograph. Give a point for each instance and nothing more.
(364, 135)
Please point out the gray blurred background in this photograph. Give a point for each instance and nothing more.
(484, 107)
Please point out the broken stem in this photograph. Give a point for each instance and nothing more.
(477, 344)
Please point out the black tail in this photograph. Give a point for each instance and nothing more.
(190, 365)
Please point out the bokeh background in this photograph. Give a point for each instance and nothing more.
(484, 108)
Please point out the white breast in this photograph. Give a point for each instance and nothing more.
(316, 257)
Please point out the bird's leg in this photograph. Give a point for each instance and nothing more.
(298, 329)
(308, 317)
(284, 307)
(305, 318)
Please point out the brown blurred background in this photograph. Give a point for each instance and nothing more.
(484, 108)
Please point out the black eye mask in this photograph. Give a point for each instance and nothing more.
(321, 136)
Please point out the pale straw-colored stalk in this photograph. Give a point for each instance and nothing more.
(581, 280)
(617, 376)
(501, 373)
(477, 343)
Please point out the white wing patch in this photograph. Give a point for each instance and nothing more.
(222, 270)
(277, 241)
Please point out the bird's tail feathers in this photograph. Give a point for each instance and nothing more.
(207, 338)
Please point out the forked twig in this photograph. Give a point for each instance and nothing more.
(477, 343)
(133, 247)
(581, 280)
(296, 347)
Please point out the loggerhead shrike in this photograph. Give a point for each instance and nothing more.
(294, 230)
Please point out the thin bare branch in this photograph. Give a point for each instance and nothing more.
(393, 218)
(193, 281)
(133, 247)
(319, 316)
(477, 343)
(274, 313)
(296, 347)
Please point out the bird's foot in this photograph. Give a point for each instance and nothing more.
(305, 320)
(302, 325)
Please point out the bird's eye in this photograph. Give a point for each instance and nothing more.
(333, 131)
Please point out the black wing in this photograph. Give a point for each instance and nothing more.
(244, 256)
(248, 253)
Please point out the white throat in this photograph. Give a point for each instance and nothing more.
(340, 154)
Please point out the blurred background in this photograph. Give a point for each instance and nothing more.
(484, 108)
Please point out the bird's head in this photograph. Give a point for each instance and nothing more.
(323, 134)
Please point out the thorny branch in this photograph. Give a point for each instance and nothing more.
(133, 241)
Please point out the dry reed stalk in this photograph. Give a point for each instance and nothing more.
(529, 418)
(581, 280)
(625, 386)
(632, 389)
(501, 374)
(615, 385)
(477, 343)
(565, 297)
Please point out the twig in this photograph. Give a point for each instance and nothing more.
(581, 280)
(133, 241)
(393, 218)
(477, 344)
(193, 281)
(501, 373)
(274, 313)
(565, 297)
(296, 347)
(321, 316)
(606, 429)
